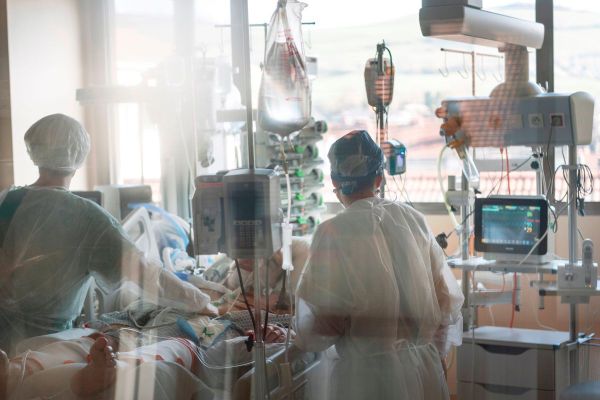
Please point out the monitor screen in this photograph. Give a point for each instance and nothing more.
(132, 196)
(511, 224)
(400, 162)
(507, 224)
(91, 195)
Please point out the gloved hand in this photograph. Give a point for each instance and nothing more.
(275, 334)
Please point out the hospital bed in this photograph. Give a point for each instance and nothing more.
(138, 228)
(287, 381)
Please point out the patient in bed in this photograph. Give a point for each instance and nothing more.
(229, 298)
(97, 365)
(106, 364)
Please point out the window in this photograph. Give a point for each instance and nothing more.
(577, 67)
(425, 76)
(343, 38)
(143, 40)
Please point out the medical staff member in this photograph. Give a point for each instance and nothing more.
(53, 242)
(377, 287)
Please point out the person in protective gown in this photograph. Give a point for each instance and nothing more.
(53, 243)
(377, 287)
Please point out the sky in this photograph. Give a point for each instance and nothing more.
(327, 13)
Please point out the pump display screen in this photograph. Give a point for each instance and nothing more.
(400, 162)
(248, 212)
(510, 224)
(249, 205)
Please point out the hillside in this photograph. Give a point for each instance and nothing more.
(342, 53)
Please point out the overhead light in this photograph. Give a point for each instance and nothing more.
(465, 21)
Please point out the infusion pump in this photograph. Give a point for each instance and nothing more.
(238, 213)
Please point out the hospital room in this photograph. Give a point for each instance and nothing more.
(299, 199)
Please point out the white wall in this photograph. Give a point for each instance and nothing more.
(45, 70)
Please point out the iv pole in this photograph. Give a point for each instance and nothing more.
(241, 26)
(544, 13)
(381, 109)
(244, 30)
(573, 256)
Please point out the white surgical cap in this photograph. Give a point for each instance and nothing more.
(57, 142)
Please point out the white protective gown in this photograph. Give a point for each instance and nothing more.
(378, 288)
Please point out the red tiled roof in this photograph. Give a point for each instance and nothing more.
(424, 143)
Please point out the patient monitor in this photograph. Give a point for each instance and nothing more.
(508, 228)
(117, 199)
(94, 196)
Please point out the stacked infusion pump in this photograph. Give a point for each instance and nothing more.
(237, 213)
(305, 166)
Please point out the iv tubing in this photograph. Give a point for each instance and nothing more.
(457, 227)
(288, 183)
(288, 274)
(199, 352)
(288, 335)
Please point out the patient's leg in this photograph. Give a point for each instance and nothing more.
(100, 372)
(49, 356)
(180, 351)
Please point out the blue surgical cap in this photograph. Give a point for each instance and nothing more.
(355, 161)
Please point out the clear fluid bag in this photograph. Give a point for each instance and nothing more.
(284, 103)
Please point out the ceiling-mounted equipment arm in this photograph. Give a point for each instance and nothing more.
(465, 21)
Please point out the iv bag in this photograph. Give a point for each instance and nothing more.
(469, 168)
(380, 88)
(470, 171)
(284, 103)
